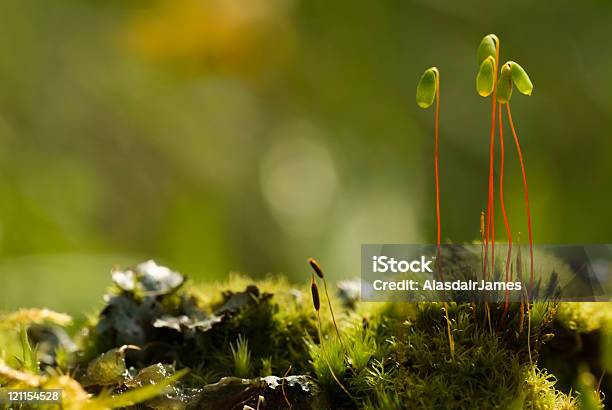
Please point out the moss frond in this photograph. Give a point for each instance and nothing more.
(329, 366)
(241, 357)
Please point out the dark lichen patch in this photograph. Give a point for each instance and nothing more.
(269, 392)
(168, 324)
(237, 301)
(148, 278)
(210, 335)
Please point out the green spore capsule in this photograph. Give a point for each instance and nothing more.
(427, 87)
(504, 85)
(487, 48)
(520, 78)
(485, 80)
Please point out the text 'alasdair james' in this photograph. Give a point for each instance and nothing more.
(432, 284)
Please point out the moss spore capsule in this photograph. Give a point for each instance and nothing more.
(520, 78)
(504, 85)
(316, 267)
(427, 88)
(315, 295)
(487, 48)
(485, 80)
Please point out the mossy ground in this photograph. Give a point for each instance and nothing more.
(390, 355)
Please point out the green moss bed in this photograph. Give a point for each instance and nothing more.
(161, 342)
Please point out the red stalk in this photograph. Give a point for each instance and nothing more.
(503, 206)
(493, 210)
(482, 239)
(520, 155)
(490, 231)
(451, 341)
(437, 175)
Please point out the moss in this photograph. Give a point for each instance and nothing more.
(420, 369)
(585, 317)
(330, 368)
(580, 334)
(242, 357)
(539, 392)
(391, 355)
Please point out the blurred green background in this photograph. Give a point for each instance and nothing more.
(248, 135)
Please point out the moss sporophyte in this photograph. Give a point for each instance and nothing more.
(324, 350)
(488, 61)
(428, 91)
(497, 82)
(499, 87)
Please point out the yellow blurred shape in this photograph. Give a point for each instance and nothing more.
(236, 35)
(36, 316)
